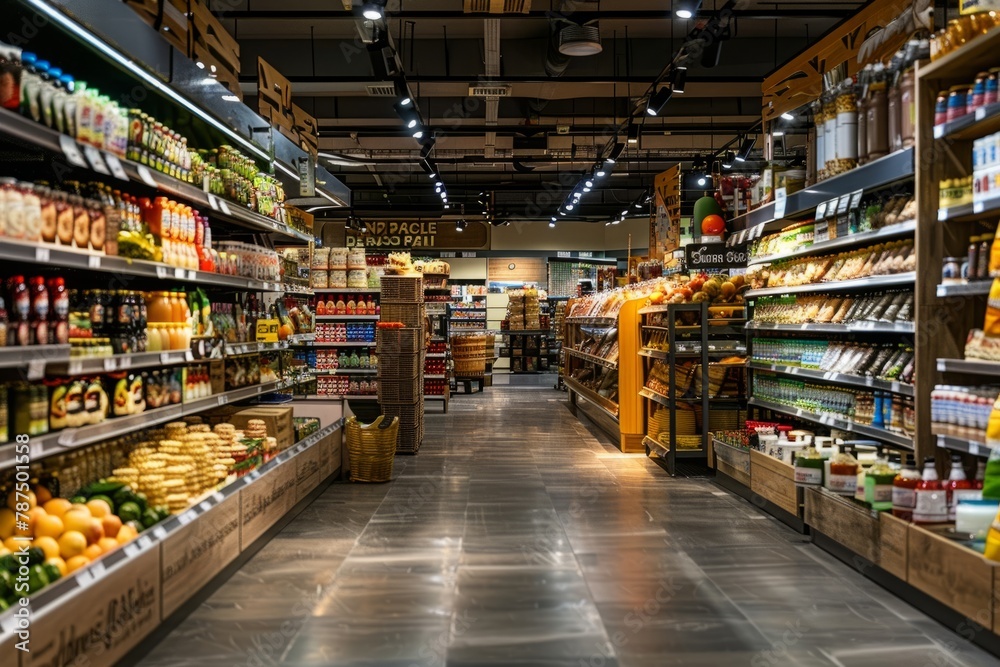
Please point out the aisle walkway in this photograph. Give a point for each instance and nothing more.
(516, 537)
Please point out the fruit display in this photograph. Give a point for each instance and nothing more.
(879, 361)
(702, 288)
(893, 306)
(879, 260)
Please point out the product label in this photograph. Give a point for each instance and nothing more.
(903, 498)
(844, 484)
(809, 476)
(932, 506)
(958, 495)
(884, 493)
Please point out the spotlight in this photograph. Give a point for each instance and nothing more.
(745, 148)
(638, 203)
(787, 116)
(461, 225)
(624, 213)
(659, 100)
(686, 9)
(403, 94)
(588, 184)
(412, 123)
(633, 133)
(372, 11)
(677, 79)
(437, 189)
(552, 222)
(702, 180)
(586, 189)
(727, 160)
(778, 133)
(602, 171)
(562, 212)
(569, 207)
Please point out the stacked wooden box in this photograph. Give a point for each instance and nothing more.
(401, 358)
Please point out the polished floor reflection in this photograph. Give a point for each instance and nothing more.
(519, 537)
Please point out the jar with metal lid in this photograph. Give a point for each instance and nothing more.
(957, 101)
(878, 112)
(951, 270)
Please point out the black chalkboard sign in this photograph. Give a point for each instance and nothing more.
(715, 256)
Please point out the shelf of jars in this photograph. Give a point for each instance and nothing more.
(976, 288)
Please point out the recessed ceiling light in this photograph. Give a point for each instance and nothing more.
(787, 116)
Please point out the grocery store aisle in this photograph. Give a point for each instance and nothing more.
(518, 537)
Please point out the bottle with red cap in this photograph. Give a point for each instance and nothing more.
(58, 311)
(932, 499)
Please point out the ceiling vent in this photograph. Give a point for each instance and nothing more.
(497, 6)
(489, 90)
(580, 40)
(382, 90)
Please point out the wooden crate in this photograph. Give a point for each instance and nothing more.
(168, 17)
(952, 574)
(733, 462)
(844, 521)
(893, 548)
(774, 481)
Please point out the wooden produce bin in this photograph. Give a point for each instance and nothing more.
(844, 521)
(952, 574)
(774, 481)
(732, 462)
(893, 545)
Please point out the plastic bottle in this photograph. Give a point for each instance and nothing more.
(980, 475)
(932, 499)
(58, 311)
(878, 484)
(29, 76)
(904, 487)
(843, 473)
(69, 105)
(957, 487)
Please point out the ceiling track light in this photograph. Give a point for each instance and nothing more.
(745, 148)
(686, 9)
(659, 100)
(678, 76)
(373, 11)
(633, 133)
(727, 160)
(787, 116)
(403, 93)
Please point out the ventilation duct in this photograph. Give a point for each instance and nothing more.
(580, 40)
(497, 6)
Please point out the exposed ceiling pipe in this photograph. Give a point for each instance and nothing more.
(492, 58)
(556, 62)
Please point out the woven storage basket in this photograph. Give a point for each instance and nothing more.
(410, 412)
(400, 366)
(401, 289)
(410, 314)
(467, 368)
(371, 448)
(400, 341)
(394, 390)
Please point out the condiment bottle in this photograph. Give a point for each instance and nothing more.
(809, 464)
(878, 112)
(904, 487)
(878, 483)
(3, 327)
(932, 499)
(980, 475)
(20, 299)
(843, 473)
(957, 487)
(58, 311)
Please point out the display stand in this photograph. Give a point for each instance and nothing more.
(401, 358)
(622, 419)
(437, 374)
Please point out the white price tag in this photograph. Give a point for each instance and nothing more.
(980, 114)
(192, 275)
(159, 532)
(942, 214)
(939, 130)
(223, 399)
(225, 207)
(188, 355)
(110, 364)
(97, 570)
(974, 446)
(161, 272)
(36, 451)
(131, 549)
(180, 274)
(146, 176)
(41, 254)
(75, 367)
(115, 165)
(125, 362)
(213, 202)
(780, 200)
(978, 207)
(94, 262)
(94, 158)
(36, 369)
(71, 150)
(164, 357)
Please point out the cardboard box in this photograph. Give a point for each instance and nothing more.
(278, 420)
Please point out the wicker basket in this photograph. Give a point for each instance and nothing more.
(401, 289)
(371, 448)
(399, 391)
(400, 366)
(410, 314)
(400, 341)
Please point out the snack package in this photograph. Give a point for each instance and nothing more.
(991, 327)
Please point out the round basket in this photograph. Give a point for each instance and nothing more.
(371, 448)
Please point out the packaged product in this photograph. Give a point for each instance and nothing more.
(995, 256)
(991, 327)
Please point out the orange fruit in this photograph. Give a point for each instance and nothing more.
(42, 495)
(126, 534)
(93, 552)
(34, 515)
(58, 562)
(7, 521)
(77, 520)
(57, 506)
(98, 508)
(108, 544)
(75, 563)
(13, 500)
(48, 526)
(96, 531)
(48, 545)
(112, 524)
(72, 543)
(14, 542)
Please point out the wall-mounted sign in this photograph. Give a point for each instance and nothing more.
(714, 256)
(419, 234)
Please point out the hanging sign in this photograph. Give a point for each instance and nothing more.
(419, 234)
(714, 256)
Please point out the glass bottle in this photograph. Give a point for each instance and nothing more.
(958, 487)
(977, 483)
(878, 483)
(843, 473)
(932, 499)
(904, 486)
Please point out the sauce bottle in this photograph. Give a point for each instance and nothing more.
(38, 316)
(843, 473)
(20, 299)
(58, 311)
(932, 499)
(957, 487)
(980, 475)
(904, 487)
(3, 327)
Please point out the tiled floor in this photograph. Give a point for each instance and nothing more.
(517, 537)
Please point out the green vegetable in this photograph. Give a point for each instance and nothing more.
(163, 511)
(52, 572)
(130, 512)
(101, 488)
(9, 563)
(141, 501)
(4, 605)
(150, 518)
(6, 584)
(78, 500)
(36, 556)
(124, 495)
(37, 579)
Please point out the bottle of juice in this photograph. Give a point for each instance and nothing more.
(932, 499)
(904, 486)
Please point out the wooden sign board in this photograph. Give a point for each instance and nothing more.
(665, 221)
(420, 234)
(274, 95)
(101, 623)
(265, 501)
(195, 553)
(801, 80)
(305, 130)
(307, 475)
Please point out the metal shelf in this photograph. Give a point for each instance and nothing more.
(612, 321)
(836, 378)
(969, 212)
(872, 282)
(337, 397)
(890, 232)
(347, 318)
(652, 444)
(854, 327)
(836, 422)
(345, 290)
(985, 120)
(965, 289)
(594, 359)
(339, 344)
(436, 355)
(605, 404)
(34, 357)
(964, 446)
(118, 362)
(60, 442)
(970, 366)
(236, 349)
(36, 134)
(654, 354)
(436, 377)
(345, 371)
